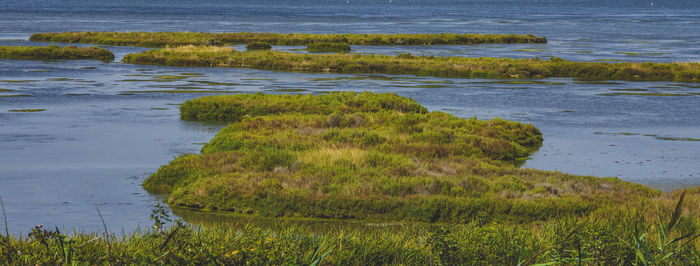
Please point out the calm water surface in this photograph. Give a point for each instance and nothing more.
(107, 126)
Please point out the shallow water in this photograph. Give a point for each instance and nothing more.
(110, 125)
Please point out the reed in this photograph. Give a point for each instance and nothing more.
(162, 39)
(407, 64)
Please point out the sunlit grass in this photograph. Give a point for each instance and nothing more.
(162, 39)
(53, 52)
(407, 64)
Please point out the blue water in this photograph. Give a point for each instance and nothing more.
(104, 127)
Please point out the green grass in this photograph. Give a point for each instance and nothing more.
(54, 52)
(406, 64)
(613, 236)
(328, 47)
(162, 39)
(371, 156)
(258, 46)
(27, 110)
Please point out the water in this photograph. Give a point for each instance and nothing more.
(105, 128)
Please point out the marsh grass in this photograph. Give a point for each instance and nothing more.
(258, 46)
(162, 39)
(53, 52)
(372, 156)
(407, 64)
(612, 236)
(328, 48)
(27, 110)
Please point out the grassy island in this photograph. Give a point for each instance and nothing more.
(407, 64)
(54, 52)
(371, 156)
(385, 158)
(162, 39)
(328, 47)
(258, 46)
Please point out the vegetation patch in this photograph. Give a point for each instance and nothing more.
(524, 82)
(54, 52)
(162, 39)
(258, 46)
(371, 156)
(328, 47)
(18, 81)
(14, 95)
(630, 89)
(531, 50)
(27, 110)
(642, 94)
(622, 236)
(453, 67)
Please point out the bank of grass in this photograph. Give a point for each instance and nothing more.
(327, 47)
(649, 232)
(54, 52)
(372, 156)
(258, 46)
(162, 39)
(407, 64)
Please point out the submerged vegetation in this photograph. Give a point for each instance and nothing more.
(407, 64)
(54, 52)
(162, 39)
(328, 47)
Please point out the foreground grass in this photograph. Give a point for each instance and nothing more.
(162, 39)
(54, 52)
(610, 237)
(406, 64)
(372, 156)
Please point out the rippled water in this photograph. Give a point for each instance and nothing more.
(109, 125)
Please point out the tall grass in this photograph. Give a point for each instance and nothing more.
(603, 238)
(162, 39)
(53, 52)
(406, 64)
